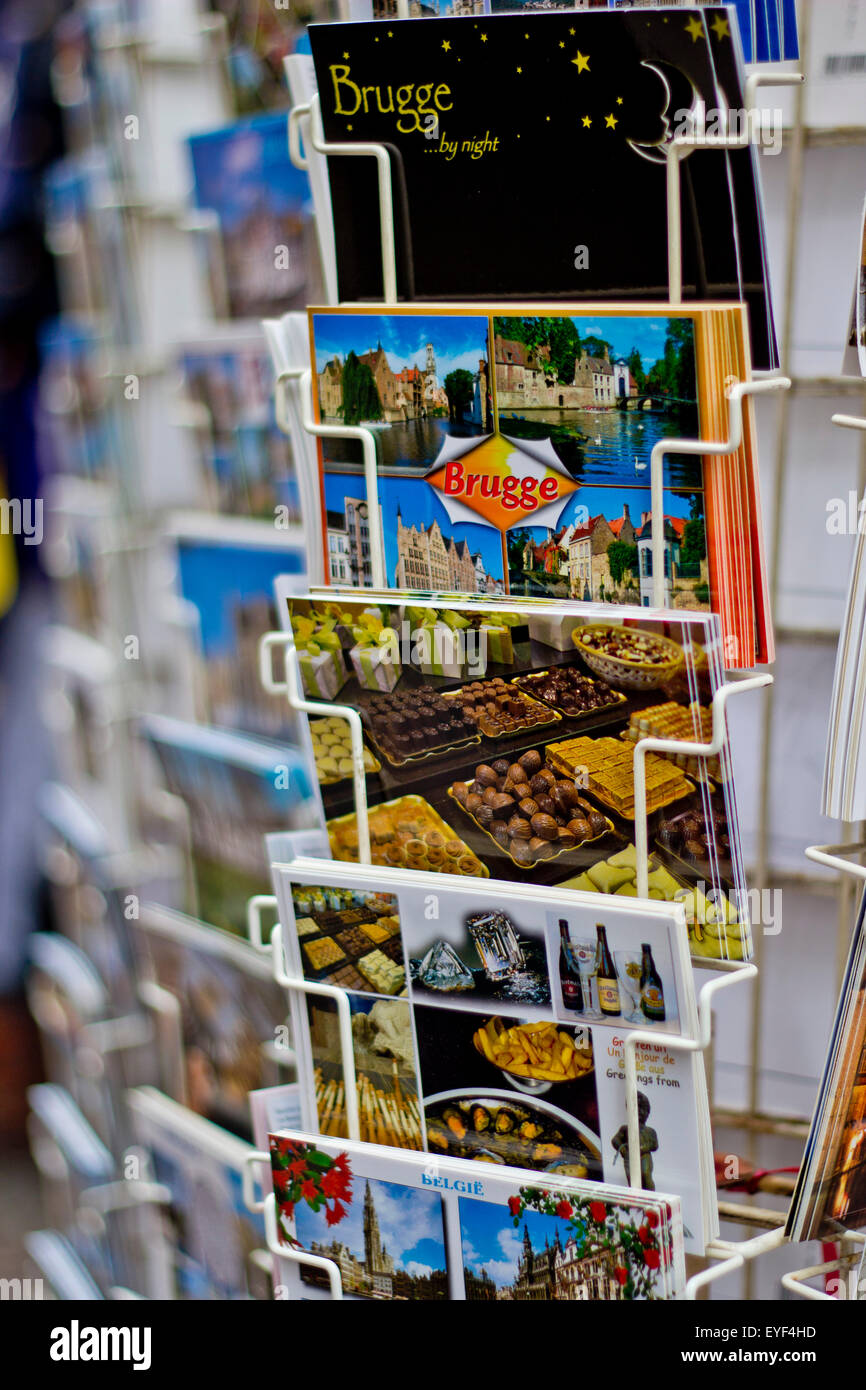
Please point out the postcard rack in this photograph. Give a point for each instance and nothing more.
(305, 125)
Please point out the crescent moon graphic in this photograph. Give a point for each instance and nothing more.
(695, 114)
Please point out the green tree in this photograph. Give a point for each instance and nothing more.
(595, 347)
(564, 342)
(621, 557)
(460, 390)
(635, 366)
(516, 542)
(694, 546)
(673, 374)
(360, 395)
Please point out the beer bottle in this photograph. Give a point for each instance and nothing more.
(652, 997)
(569, 975)
(608, 984)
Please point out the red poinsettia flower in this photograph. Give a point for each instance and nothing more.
(336, 1183)
(281, 1147)
(652, 1218)
(341, 1162)
(283, 1182)
(514, 1205)
(335, 1213)
(287, 1209)
(297, 1167)
(620, 1275)
(309, 1191)
(564, 1209)
(651, 1259)
(644, 1234)
(598, 1211)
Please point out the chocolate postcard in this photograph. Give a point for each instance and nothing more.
(504, 737)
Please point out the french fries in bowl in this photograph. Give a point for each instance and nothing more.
(540, 1053)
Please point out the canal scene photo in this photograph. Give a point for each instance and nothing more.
(514, 451)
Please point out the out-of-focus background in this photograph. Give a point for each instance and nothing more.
(136, 385)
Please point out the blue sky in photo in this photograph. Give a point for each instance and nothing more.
(242, 166)
(624, 332)
(421, 507)
(410, 1225)
(457, 342)
(214, 577)
(491, 1241)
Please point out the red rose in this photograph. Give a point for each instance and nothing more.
(514, 1205)
(651, 1259)
(564, 1209)
(621, 1275)
(652, 1218)
(598, 1211)
(644, 1235)
(334, 1214)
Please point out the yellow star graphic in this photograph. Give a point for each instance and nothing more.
(446, 44)
(721, 28)
(562, 43)
(520, 69)
(483, 38)
(581, 62)
(349, 127)
(571, 31)
(390, 33)
(619, 101)
(610, 121)
(587, 121)
(376, 39)
(345, 55)
(547, 118)
(695, 28)
(526, 36)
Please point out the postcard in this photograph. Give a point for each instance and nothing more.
(505, 732)
(208, 1230)
(237, 790)
(81, 429)
(467, 946)
(508, 1041)
(74, 1161)
(87, 900)
(830, 1197)
(243, 173)
(400, 1227)
(768, 28)
(233, 1028)
(246, 462)
(484, 114)
(225, 571)
(514, 456)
